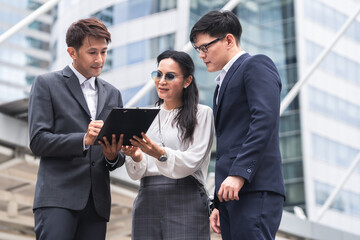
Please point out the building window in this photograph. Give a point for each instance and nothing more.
(333, 152)
(150, 97)
(108, 63)
(129, 10)
(290, 146)
(330, 18)
(35, 43)
(346, 201)
(105, 15)
(334, 63)
(35, 62)
(29, 79)
(334, 107)
(295, 195)
(140, 51)
(37, 25)
(33, 5)
(53, 51)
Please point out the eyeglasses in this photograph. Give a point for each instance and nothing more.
(169, 77)
(204, 47)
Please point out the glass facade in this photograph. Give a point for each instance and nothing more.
(149, 99)
(17, 53)
(338, 106)
(137, 52)
(334, 107)
(140, 51)
(330, 18)
(335, 64)
(129, 10)
(346, 202)
(333, 152)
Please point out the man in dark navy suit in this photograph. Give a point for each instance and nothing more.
(249, 187)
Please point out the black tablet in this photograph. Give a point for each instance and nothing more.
(127, 121)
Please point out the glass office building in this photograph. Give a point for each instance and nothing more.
(330, 110)
(26, 53)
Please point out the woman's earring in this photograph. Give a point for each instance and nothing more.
(185, 86)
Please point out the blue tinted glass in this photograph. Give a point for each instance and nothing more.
(140, 51)
(129, 10)
(330, 18)
(136, 52)
(139, 8)
(334, 107)
(333, 152)
(345, 201)
(334, 63)
(119, 56)
(128, 93)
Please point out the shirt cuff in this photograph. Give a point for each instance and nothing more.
(136, 165)
(112, 163)
(85, 147)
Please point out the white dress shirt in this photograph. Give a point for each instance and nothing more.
(220, 78)
(184, 159)
(89, 90)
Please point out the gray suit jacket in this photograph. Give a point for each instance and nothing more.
(58, 121)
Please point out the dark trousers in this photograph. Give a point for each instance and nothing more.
(254, 216)
(65, 224)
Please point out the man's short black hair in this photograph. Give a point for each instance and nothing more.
(217, 24)
(88, 27)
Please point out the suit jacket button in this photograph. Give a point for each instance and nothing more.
(92, 163)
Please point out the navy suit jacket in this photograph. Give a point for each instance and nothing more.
(58, 120)
(247, 126)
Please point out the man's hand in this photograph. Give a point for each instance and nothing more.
(112, 150)
(215, 221)
(93, 131)
(230, 187)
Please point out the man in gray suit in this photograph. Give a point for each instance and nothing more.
(72, 196)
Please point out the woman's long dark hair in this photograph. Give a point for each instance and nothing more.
(186, 117)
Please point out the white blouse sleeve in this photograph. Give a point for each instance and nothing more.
(184, 163)
(136, 170)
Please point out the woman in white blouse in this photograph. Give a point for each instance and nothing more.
(172, 158)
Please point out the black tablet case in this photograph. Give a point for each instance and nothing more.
(127, 121)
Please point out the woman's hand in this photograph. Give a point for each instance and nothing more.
(147, 146)
(133, 152)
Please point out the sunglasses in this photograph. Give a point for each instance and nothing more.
(157, 76)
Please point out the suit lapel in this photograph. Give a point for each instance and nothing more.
(72, 82)
(102, 93)
(226, 80)
(215, 106)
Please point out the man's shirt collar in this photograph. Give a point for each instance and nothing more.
(82, 79)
